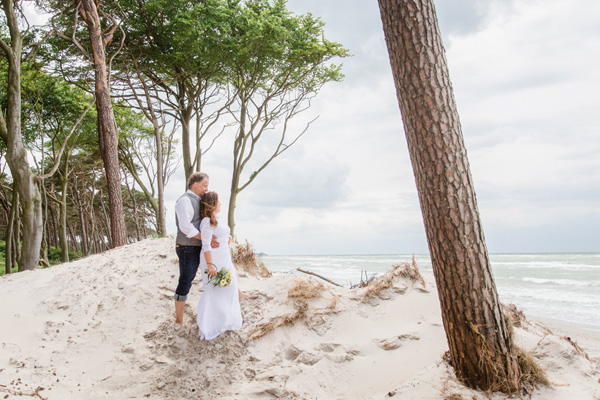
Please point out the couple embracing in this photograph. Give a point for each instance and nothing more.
(203, 243)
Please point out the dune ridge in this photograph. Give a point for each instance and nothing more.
(102, 328)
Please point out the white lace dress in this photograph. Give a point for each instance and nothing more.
(219, 307)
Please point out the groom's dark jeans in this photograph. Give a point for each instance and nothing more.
(189, 259)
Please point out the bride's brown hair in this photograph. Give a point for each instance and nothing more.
(208, 203)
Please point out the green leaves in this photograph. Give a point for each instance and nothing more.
(273, 49)
(50, 105)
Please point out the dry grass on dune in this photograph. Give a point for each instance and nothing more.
(304, 289)
(513, 316)
(300, 293)
(386, 281)
(244, 259)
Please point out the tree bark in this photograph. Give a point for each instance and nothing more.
(231, 210)
(186, 118)
(481, 349)
(45, 247)
(161, 229)
(52, 225)
(16, 155)
(78, 203)
(9, 251)
(105, 219)
(64, 244)
(107, 127)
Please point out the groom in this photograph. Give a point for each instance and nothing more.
(188, 243)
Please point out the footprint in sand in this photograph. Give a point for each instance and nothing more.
(292, 353)
(395, 342)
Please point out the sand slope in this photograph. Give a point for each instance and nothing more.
(102, 328)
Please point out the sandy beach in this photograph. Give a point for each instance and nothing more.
(103, 328)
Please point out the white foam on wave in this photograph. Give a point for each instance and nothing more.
(558, 286)
(565, 282)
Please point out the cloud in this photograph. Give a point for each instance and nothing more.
(526, 94)
(307, 182)
(525, 80)
(460, 17)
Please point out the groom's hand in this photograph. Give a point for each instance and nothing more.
(213, 243)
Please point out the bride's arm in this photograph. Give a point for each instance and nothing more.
(206, 229)
(212, 271)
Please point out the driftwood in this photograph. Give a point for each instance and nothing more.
(318, 276)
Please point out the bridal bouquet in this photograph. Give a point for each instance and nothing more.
(222, 279)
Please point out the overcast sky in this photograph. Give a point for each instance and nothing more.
(526, 78)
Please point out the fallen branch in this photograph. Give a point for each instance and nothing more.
(3, 388)
(318, 276)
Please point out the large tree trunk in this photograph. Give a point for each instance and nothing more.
(107, 127)
(481, 349)
(16, 156)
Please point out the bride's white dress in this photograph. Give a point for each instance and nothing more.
(219, 307)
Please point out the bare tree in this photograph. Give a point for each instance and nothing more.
(481, 348)
(178, 50)
(276, 70)
(155, 159)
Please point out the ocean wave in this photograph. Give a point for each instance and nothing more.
(558, 286)
(545, 265)
(565, 282)
(551, 297)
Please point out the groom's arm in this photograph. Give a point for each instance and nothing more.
(185, 214)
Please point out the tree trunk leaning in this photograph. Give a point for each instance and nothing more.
(481, 349)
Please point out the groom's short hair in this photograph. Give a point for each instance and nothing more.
(196, 177)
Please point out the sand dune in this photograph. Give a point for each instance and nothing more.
(102, 328)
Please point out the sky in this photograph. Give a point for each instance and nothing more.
(526, 79)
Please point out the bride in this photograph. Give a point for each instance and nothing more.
(219, 307)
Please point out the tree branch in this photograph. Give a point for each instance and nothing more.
(72, 39)
(318, 276)
(64, 144)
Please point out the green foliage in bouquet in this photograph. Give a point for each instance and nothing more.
(222, 279)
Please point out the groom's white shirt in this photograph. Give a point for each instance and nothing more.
(185, 214)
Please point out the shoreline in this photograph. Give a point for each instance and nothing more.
(585, 337)
(556, 287)
(116, 309)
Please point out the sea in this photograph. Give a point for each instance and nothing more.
(563, 287)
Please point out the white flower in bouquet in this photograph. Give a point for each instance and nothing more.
(222, 279)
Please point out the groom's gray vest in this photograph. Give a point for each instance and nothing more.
(181, 238)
